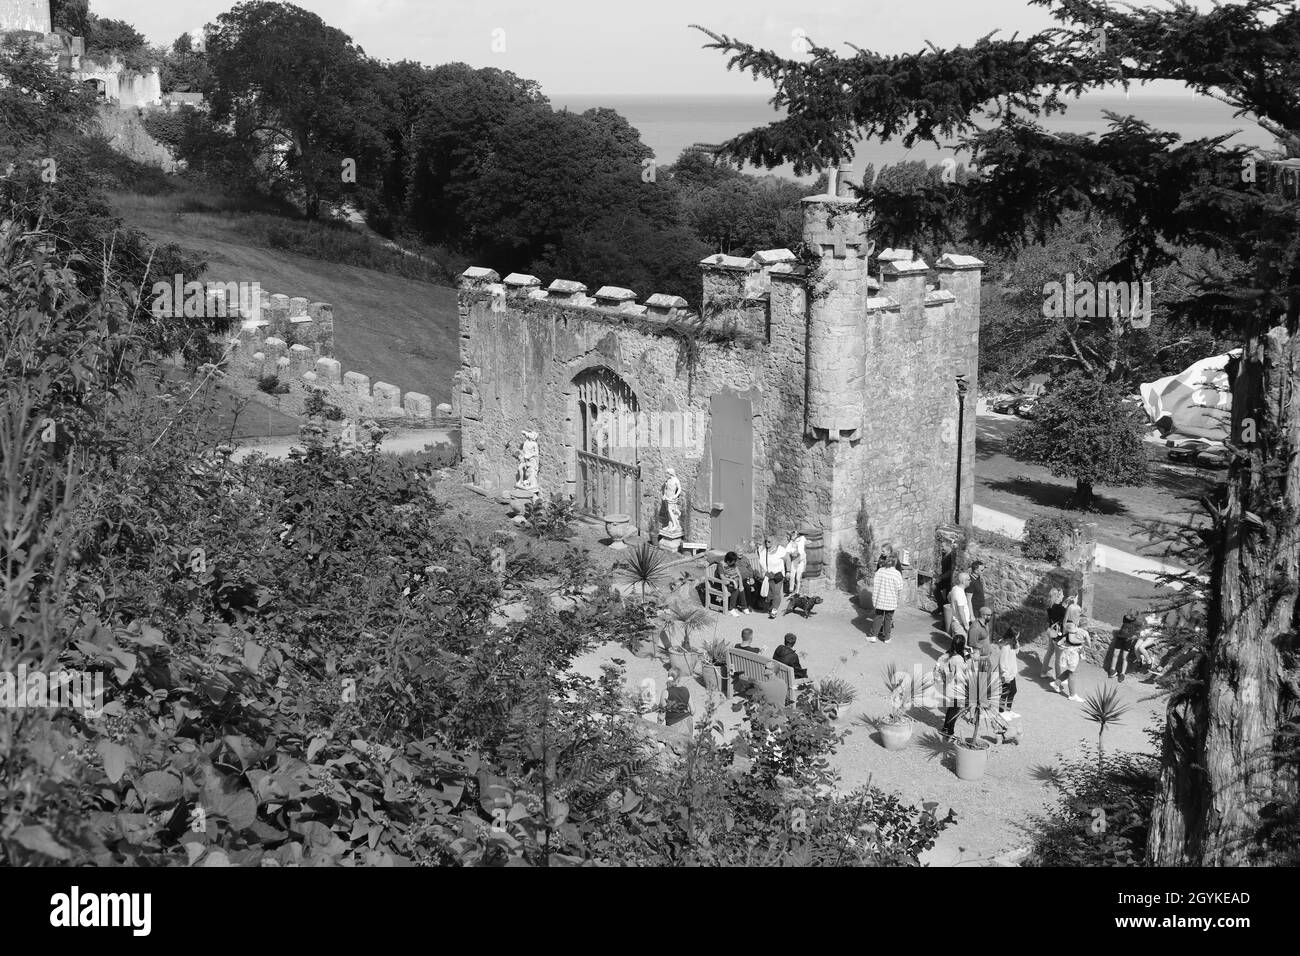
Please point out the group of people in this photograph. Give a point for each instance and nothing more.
(760, 580)
(964, 668)
(1134, 644)
(674, 705)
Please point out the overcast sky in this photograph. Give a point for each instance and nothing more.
(615, 46)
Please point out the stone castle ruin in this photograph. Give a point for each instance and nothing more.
(805, 395)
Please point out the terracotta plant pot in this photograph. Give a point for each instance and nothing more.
(972, 761)
(895, 736)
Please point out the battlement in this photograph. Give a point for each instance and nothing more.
(292, 339)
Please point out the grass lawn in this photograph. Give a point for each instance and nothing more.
(394, 329)
(1019, 489)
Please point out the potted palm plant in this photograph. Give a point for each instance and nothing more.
(837, 696)
(715, 653)
(981, 696)
(904, 690)
(686, 619)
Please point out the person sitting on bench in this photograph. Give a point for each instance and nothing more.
(786, 654)
(739, 683)
(728, 572)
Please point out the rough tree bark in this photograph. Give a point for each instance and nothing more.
(1220, 766)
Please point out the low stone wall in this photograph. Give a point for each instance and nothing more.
(1017, 587)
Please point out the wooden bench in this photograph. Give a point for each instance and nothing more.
(753, 666)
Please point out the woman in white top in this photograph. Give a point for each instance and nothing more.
(796, 552)
(960, 603)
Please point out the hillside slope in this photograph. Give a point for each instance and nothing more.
(393, 329)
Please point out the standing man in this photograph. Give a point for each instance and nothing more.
(771, 565)
(886, 588)
(980, 639)
(975, 590)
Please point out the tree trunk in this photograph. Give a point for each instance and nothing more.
(1083, 495)
(1219, 761)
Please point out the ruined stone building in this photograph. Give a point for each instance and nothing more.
(806, 394)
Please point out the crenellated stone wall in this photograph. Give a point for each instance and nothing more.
(292, 338)
(853, 398)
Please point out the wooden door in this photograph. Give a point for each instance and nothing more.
(732, 424)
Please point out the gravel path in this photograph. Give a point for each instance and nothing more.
(992, 813)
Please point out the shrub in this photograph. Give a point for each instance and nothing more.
(1103, 812)
(1046, 537)
(552, 517)
(315, 406)
(271, 384)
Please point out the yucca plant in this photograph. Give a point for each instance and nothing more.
(646, 566)
(904, 690)
(1104, 708)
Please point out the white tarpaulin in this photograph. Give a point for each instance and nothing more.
(1195, 401)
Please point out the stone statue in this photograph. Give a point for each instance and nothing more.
(671, 495)
(526, 477)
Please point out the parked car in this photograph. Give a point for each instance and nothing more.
(1198, 451)
(1007, 404)
(1025, 408)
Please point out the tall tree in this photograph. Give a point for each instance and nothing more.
(299, 93)
(1221, 760)
(1083, 430)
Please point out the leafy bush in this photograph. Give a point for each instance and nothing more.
(1046, 537)
(271, 385)
(1103, 812)
(315, 406)
(551, 518)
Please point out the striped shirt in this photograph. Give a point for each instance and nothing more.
(886, 588)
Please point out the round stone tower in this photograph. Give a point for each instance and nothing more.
(837, 336)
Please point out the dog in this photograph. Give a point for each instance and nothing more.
(803, 603)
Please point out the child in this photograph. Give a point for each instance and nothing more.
(1070, 656)
(1008, 664)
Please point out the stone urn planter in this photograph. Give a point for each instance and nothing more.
(618, 527)
(895, 734)
(972, 760)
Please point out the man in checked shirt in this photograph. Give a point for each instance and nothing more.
(886, 588)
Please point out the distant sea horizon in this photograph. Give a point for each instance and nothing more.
(669, 124)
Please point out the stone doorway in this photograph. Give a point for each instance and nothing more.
(608, 473)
